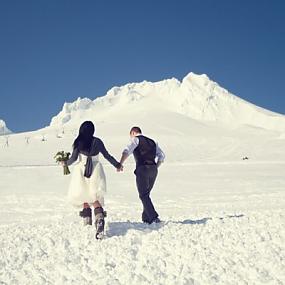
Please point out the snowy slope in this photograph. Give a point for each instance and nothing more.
(3, 128)
(183, 139)
(196, 97)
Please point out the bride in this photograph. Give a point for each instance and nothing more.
(88, 182)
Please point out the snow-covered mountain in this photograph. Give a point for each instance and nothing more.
(193, 120)
(3, 128)
(196, 97)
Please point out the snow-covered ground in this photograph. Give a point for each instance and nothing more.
(223, 217)
(223, 224)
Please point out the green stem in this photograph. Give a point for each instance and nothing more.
(66, 170)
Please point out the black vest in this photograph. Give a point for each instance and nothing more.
(145, 152)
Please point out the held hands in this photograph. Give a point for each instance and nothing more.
(120, 168)
(122, 160)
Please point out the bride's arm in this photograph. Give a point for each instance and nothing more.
(107, 156)
(73, 157)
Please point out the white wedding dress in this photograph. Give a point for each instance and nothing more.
(87, 190)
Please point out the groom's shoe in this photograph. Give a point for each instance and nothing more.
(86, 214)
(155, 221)
(145, 218)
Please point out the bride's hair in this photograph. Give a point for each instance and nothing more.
(85, 136)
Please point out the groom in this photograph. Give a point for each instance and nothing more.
(145, 151)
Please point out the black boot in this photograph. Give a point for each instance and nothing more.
(86, 214)
(145, 217)
(100, 214)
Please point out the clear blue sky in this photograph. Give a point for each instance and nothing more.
(54, 51)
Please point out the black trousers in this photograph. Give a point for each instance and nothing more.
(145, 178)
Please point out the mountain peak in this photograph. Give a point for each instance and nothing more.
(201, 81)
(194, 77)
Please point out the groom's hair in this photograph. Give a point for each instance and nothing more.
(136, 129)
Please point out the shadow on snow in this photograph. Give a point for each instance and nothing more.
(205, 220)
(121, 228)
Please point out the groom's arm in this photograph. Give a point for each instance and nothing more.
(160, 155)
(123, 158)
(129, 149)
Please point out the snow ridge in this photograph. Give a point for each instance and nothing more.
(3, 128)
(196, 96)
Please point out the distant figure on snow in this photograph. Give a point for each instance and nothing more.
(88, 181)
(145, 151)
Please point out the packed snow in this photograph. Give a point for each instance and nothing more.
(220, 193)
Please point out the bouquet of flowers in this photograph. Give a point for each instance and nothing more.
(62, 156)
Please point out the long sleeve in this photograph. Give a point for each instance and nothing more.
(129, 149)
(159, 153)
(107, 156)
(73, 157)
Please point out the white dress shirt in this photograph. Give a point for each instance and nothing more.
(129, 149)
